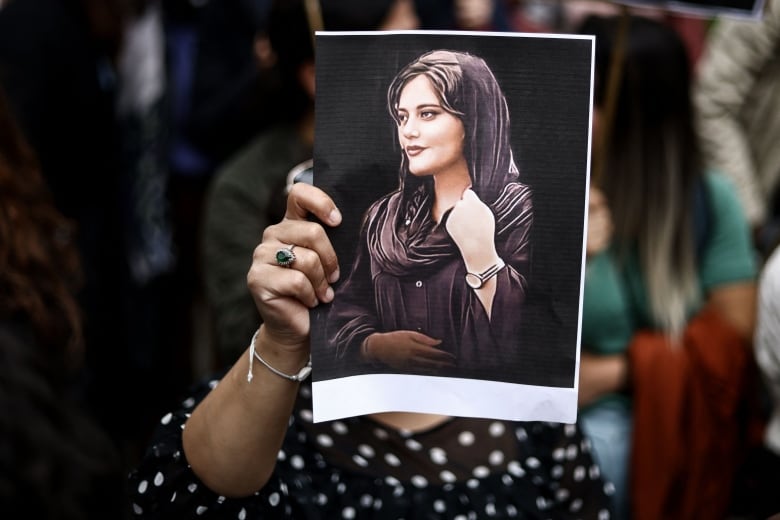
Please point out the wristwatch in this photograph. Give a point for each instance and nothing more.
(477, 280)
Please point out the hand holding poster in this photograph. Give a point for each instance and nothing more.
(460, 162)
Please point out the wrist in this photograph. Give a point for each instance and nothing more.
(365, 353)
(477, 279)
(280, 360)
(481, 262)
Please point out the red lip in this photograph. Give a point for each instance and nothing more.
(412, 151)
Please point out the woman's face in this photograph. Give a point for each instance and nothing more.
(431, 137)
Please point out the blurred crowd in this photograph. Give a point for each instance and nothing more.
(135, 134)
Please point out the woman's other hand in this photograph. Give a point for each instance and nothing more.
(407, 350)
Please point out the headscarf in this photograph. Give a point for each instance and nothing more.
(400, 227)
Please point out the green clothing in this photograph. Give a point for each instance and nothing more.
(245, 196)
(615, 302)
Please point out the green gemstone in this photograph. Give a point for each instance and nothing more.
(284, 257)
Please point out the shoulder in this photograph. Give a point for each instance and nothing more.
(721, 192)
(516, 189)
(728, 254)
(382, 205)
(263, 161)
(515, 197)
(514, 192)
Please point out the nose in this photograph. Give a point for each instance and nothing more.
(410, 130)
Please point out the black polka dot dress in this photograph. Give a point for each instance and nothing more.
(359, 469)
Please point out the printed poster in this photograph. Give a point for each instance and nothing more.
(460, 162)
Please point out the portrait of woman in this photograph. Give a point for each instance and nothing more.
(442, 262)
(459, 165)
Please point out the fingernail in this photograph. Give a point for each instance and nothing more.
(334, 276)
(334, 217)
(329, 294)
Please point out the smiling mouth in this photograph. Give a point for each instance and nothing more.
(412, 151)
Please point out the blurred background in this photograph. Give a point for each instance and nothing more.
(131, 108)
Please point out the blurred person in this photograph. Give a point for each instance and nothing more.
(57, 66)
(55, 462)
(692, 29)
(669, 295)
(460, 218)
(235, 81)
(536, 15)
(244, 446)
(189, 171)
(767, 351)
(247, 193)
(738, 114)
(83, 78)
(233, 42)
(464, 15)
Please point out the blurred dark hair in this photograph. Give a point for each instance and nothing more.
(656, 81)
(651, 156)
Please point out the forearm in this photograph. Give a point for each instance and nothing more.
(233, 437)
(486, 294)
(601, 375)
(737, 304)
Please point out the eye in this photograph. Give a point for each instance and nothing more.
(401, 118)
(428, 114)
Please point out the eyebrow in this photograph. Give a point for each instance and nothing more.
(420, 107)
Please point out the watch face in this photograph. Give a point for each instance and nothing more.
(473, 281)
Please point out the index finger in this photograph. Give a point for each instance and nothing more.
(305, 199)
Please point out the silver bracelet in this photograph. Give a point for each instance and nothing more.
(300, 376)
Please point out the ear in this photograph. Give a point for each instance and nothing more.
(306, 77)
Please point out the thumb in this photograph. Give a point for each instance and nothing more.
(468, 193)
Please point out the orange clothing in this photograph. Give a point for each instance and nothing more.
(689, 419)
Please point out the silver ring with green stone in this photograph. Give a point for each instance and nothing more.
(285, 256)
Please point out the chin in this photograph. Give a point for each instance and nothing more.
(420, 172)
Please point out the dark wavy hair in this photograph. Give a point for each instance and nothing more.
(466, 88)
(40, 271)
(55, 461)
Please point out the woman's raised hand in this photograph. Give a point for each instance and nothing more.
(471, 224)
(233, 437)
(284, 295)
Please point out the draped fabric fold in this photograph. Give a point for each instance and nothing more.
(690, 405)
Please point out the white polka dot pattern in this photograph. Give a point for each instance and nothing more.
(465, 468)
(466, 438)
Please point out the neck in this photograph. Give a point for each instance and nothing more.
(408, 421)
(448, 188)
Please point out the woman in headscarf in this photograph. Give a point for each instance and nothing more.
(442, 261)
